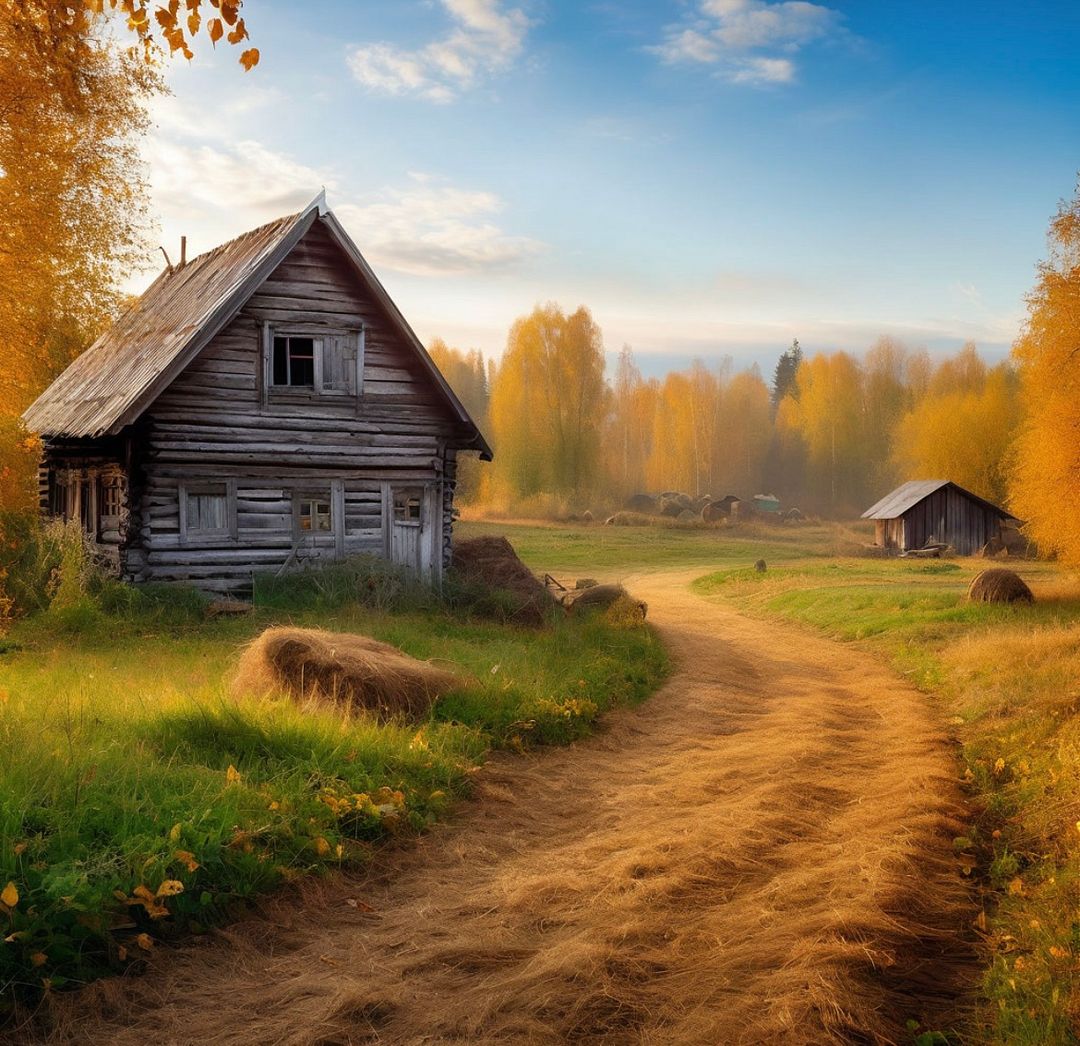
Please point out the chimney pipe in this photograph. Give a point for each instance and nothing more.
(183, 251)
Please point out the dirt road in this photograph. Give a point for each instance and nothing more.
(759, 854)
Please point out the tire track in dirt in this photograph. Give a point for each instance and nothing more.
(759, 854)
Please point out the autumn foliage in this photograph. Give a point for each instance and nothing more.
(831, 434)
(1046, 474)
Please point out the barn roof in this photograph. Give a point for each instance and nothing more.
(909, 494)
(114, 381)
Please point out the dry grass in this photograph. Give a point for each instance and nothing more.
(352, 672)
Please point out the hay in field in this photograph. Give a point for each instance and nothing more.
(601, 597)
(998, 585)
(630, 519)
(353, 672)
(492, 563)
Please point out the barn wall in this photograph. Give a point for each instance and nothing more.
(217, 422)
(948, 516)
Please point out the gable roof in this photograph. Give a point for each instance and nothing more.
(114, 381)
(909, 494)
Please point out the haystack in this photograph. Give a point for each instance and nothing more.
(600, 597)
(491, 562)
(998, 585)
(353, 672)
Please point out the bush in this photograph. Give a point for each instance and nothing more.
(45, 565)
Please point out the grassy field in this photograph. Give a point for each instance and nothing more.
(1005, 680)
(139, 801)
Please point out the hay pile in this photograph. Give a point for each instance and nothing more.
(629, 519)
(355, 673)
(492, 563)
(601, 597)
(998, 585)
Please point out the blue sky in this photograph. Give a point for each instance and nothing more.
(710, 177)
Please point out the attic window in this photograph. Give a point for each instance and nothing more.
(294, 362)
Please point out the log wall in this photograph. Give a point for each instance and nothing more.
(218, 422)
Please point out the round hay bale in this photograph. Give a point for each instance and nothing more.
(998, 585)
(687, 516)
(700, 503)
(587, 517)
(351, 672)
(641, 503)
(714, 513)
(760, 566)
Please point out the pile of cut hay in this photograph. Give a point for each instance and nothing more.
(998, 585)
(492, 563)
(601, 597)
(353, 672)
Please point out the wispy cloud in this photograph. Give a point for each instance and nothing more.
(486, 38)
(429, 228)
(748, 41)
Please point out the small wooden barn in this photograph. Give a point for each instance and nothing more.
(924, 511)
(262, 405)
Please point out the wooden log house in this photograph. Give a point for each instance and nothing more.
(926, 511)
(259, 407)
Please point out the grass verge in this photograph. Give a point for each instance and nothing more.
(139, 802)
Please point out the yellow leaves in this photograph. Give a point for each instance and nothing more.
(238, 33)
(187, 859)
(322, 847)
(10, 895)
(174, 832)
(215, 29)
(249, 58)
(1016, 887)
(145, 941)
(1057, 952)
(39, 959)
(232, 775)
(170, 888)
(121, 953)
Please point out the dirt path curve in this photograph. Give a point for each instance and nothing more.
(759, 854)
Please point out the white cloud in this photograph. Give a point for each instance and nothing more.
(748, 41)
(485, 39)
(212, 191)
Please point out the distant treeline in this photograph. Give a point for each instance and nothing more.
(830, 433)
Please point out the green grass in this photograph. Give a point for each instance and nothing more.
(580, 548)
(139, 801)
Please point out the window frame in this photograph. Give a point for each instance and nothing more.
(316, 362)
(408, 495)
(189, 534)
(320, 338)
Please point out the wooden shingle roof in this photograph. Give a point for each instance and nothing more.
(110, 385)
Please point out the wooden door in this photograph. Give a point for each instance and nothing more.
(411, 526)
